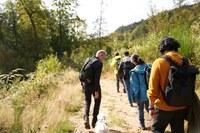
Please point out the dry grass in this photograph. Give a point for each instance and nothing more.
(6, 116)
(52, 110)
(45, 113)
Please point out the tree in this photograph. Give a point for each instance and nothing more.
(179, 3)
(66, 26)
(99, 25)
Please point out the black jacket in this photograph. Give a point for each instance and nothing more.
(96, 74)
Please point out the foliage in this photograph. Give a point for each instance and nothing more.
(13, 76)
(50, 64)
(89, 48)
(30, 31)
(38, 103)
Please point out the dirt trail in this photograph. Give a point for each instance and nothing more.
(114, 105)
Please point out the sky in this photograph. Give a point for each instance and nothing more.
(117, 13)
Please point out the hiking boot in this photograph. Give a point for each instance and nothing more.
(143, 127)
(86, 123)
(124, 90)
(94, 120)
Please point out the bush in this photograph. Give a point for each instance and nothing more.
(48, 65)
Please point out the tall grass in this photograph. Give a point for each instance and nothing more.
(42, 103)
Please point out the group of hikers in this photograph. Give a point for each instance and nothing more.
(131, 71)
(148, 93)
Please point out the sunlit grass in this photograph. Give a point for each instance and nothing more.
(36, 111)
(116, 120)
(52, 110)
(6, 117)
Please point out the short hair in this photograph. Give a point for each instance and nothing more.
(101, 52)
(116, 53)
(126, 53)
(168, 44)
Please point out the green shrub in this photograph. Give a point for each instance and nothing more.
(48, 65)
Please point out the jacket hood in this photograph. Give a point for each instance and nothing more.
(139, 68)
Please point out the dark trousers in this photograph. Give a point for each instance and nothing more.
(118, 80)
(88, 97)
(127, 87)
(141, 106)
(174, 118)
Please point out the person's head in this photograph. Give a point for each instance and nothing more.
(136, 59)
(101, 54)
(116, 53)
(126, 53)
(168, 44)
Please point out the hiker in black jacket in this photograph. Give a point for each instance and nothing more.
(124, 67)
(93, 88)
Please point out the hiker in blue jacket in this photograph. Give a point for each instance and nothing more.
(138, 87)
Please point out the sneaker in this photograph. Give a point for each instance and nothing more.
(131, 104)
(86, 123)
(118, 90)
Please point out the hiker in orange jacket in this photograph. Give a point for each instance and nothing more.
(162, 113)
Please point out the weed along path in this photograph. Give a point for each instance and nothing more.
(120, 116)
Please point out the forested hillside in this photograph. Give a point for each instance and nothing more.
(181, 23)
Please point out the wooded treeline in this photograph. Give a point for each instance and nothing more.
(29, 31)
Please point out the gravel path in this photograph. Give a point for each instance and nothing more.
(120, 117)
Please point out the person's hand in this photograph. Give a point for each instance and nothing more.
(96, 94)
(152, 113)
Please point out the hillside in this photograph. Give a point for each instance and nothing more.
(166, 19)
(143, 36)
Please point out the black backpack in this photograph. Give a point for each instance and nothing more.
(86, 73)
(147, 73)
(118, 61)
(128, 65)
(181, 83)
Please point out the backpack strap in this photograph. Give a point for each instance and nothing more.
(185, 60)
(169, 60)
(88, 60)
(171, 63)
